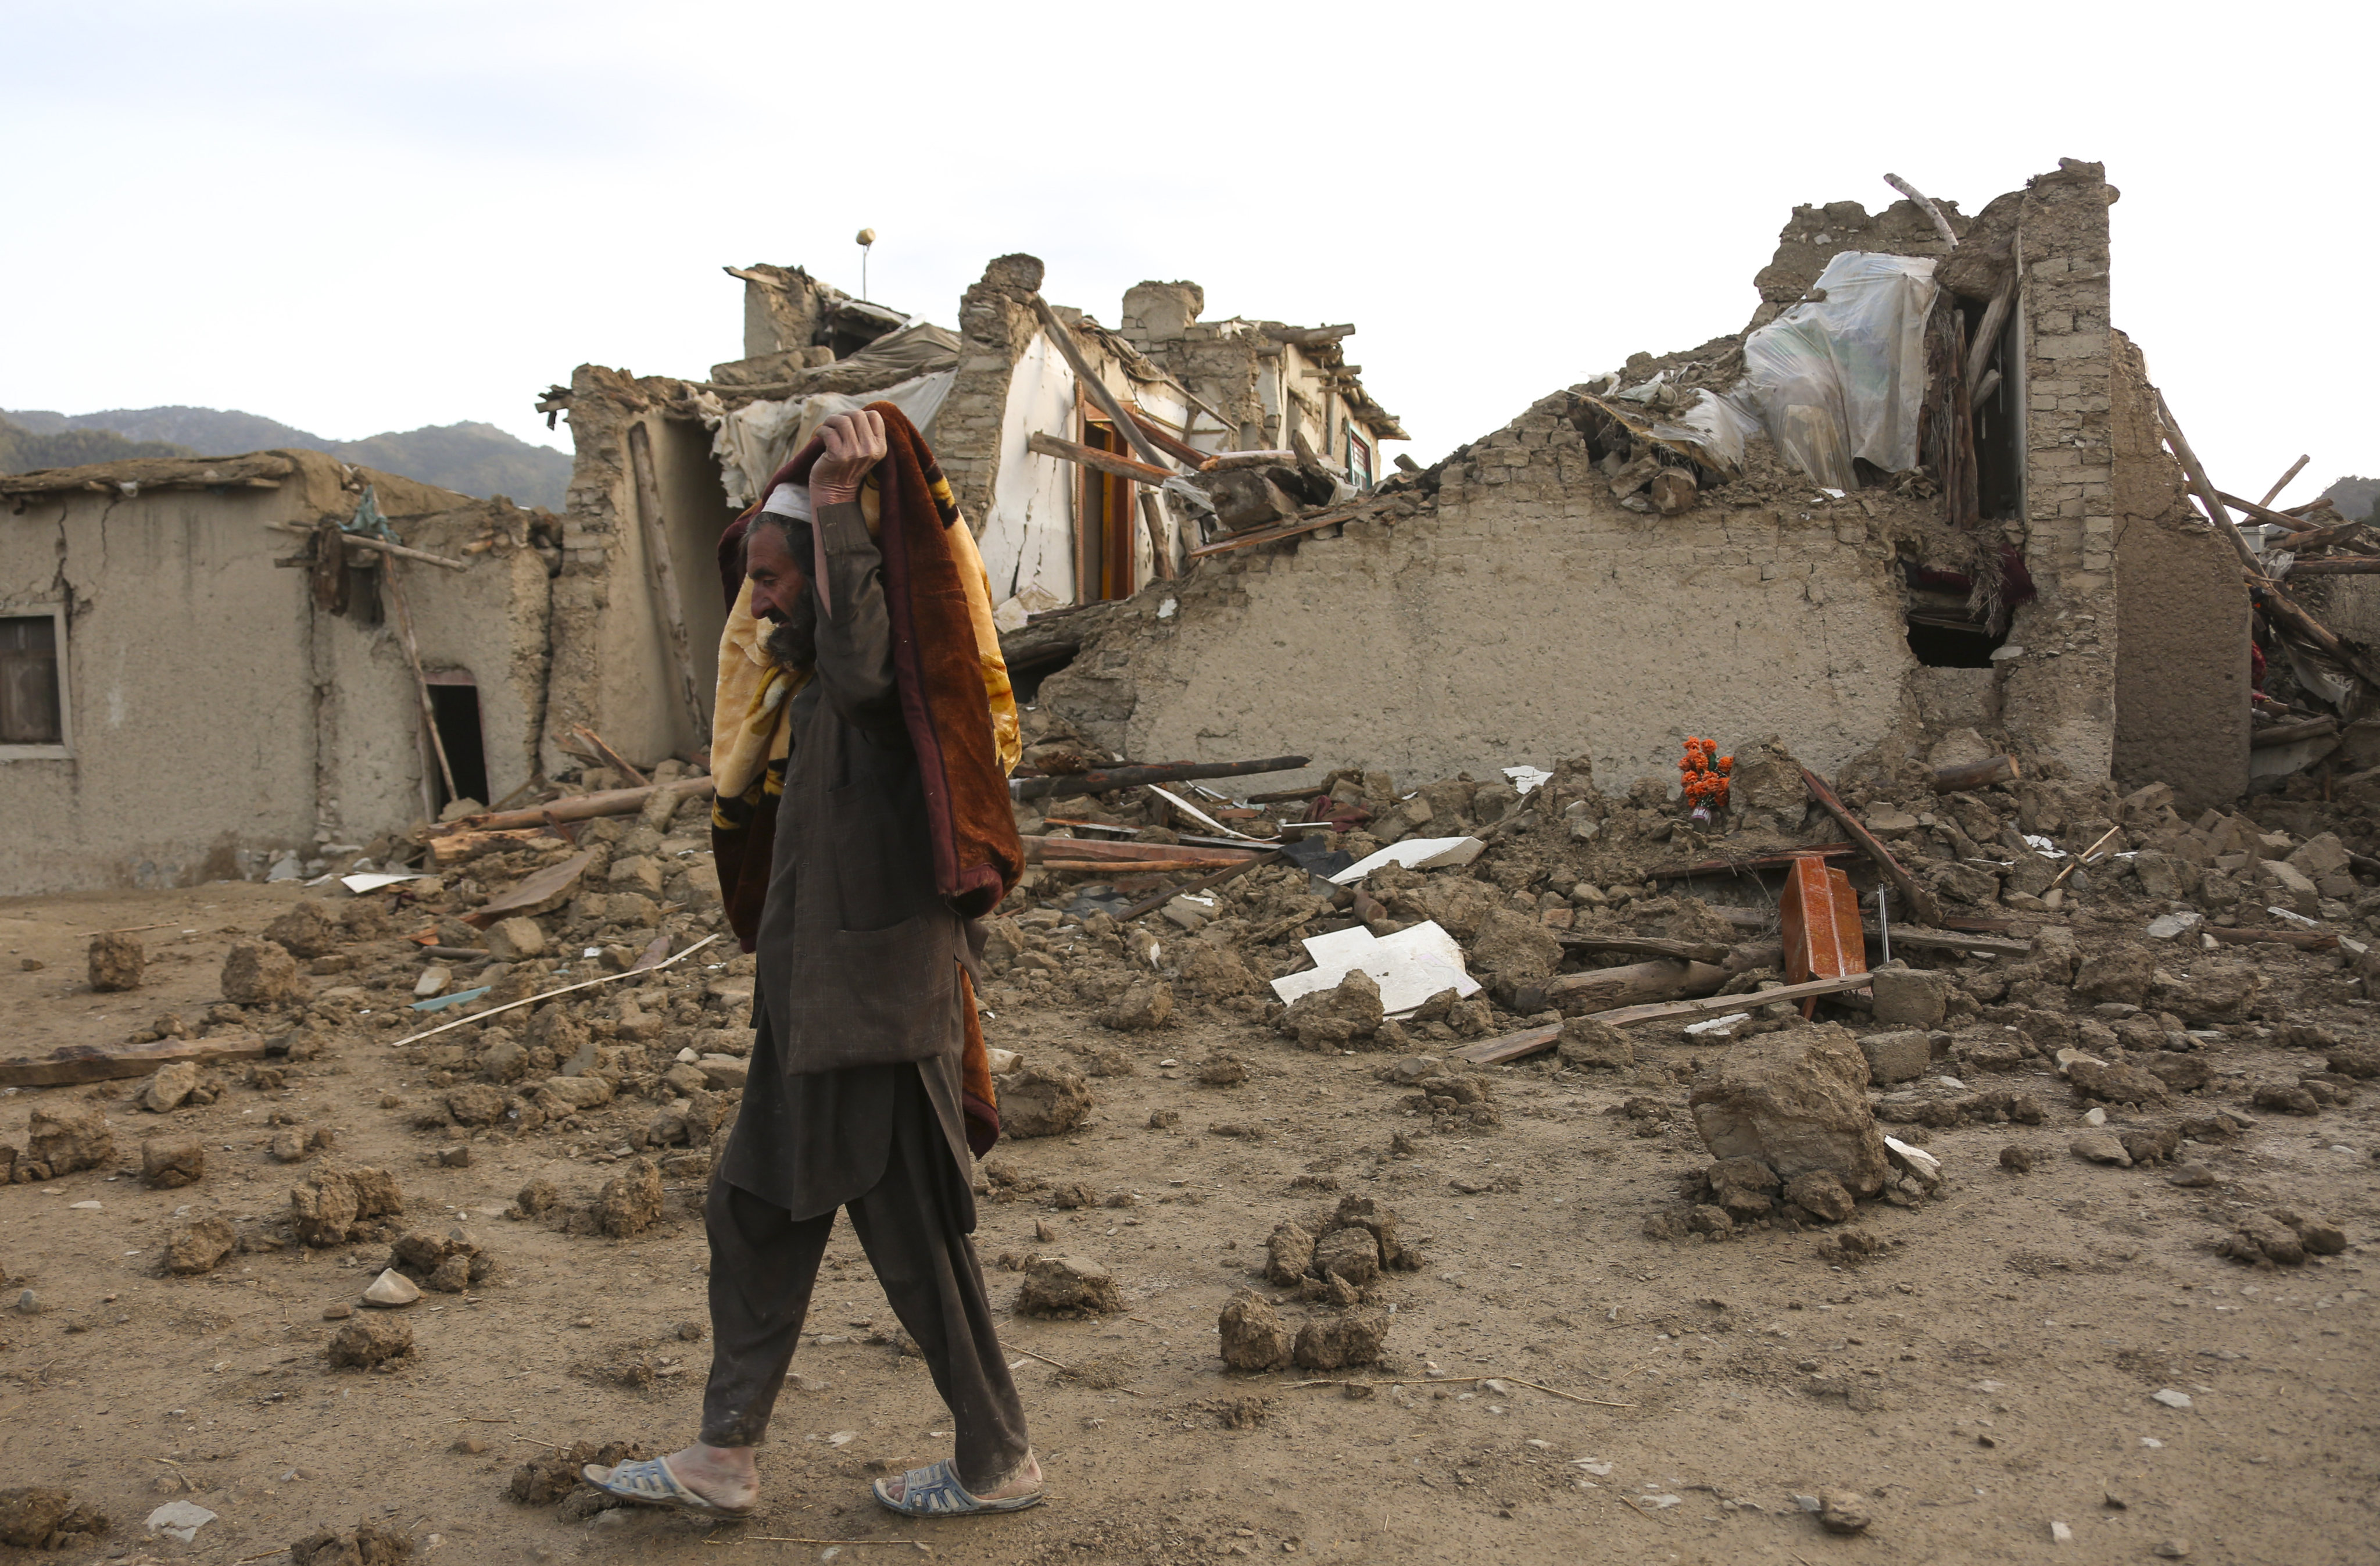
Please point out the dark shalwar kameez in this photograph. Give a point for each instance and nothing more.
(853, 1099)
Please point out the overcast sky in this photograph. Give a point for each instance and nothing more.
(359, 218)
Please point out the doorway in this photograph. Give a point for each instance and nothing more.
(454, 709)
(1104, 529)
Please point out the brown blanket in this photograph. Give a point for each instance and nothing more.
(976, 854)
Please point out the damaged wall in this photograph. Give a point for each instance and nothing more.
(218, 716)
(1526, 617)
(2182, 615)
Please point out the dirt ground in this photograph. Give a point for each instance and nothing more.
(1989, 1376)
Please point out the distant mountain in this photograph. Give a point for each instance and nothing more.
(478, 459)
(25, 451)
(2356, 498)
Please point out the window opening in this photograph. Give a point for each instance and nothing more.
(1359, 460)
(455, 708)
(32, 709)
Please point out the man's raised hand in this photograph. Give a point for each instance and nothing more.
(855, 442)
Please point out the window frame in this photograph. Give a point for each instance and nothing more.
(64, 749)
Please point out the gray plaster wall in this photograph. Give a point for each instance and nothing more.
(1528, 618)
(216, 717)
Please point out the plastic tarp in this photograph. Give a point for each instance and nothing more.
(754, 441)
(1842, 376)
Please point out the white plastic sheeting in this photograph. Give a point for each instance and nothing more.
(1842, 376)
(1028, 541)
(752, 442)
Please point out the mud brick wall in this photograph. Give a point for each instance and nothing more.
(2182, 612)
(2059, 693)
(1528, 618)
(996, 323)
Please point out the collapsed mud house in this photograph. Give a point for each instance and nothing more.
(1995, 542)
(152, 627)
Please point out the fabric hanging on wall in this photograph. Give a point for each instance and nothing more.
(1842, 374)
(754, 441)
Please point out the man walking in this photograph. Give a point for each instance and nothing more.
(893, 833)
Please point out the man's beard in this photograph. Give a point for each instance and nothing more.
(793, 643)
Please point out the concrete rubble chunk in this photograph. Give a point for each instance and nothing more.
(166, 1089)
(1793, 1101)
(1898, 1056)
(1332, 1019)
(169, 1163)
(1253, 1336)
(259, 973)
(1042, 1100)
(1069, 1286)
(115, 961)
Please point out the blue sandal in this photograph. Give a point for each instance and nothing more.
(650, 1483)
(935, 1491)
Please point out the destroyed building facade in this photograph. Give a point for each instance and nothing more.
(1607, 575)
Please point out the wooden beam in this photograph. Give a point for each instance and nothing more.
(1351, 512)
(1040, 849)
(82, 1062)
(1924, 204)
(382, 546)
(1091, 456)
(2349, 566)
(610, 757)
(1149, 905)
(657, 551)
(2290, 734)
(2264, 513)
(2304, 940)
(1097, 389)
(2283, 481)
(1711, 1006)
(1914, 898)
(578, 807)
(1166, 439)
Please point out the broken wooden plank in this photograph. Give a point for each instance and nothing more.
(1151, 904)
(541, 892)
(1091, 456)
(1926, 204)
(84, 1062)
(1062, 337)
(1712, 1004)
(649, 963)
(380, 546)
(1512, 1046)
(453, 849)
(2283, 481)
(2265, 512)
(1137, 867)
(611, 758)
(1916, 899)
(1760, 862)
(2290, 733)
(1105, 780)
(2341, 566)
(1166, 439)
(1647, 945)
(2304, 940)
(1970, 775)
(1039, 850)
(578, 808)
(1353, 511)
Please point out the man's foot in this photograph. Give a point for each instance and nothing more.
(937, 1491)
(725, 1476)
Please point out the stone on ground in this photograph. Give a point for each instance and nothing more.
(1042, 1101)
(116, 962)
(1069, 1286)
(1253, 1336)
(1793, 1101)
